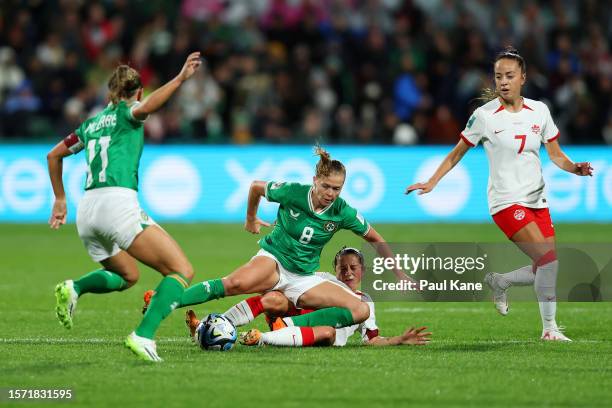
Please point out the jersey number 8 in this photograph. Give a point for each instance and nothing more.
(306, 235)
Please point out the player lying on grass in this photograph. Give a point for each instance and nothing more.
(512, 129)
(307, 218)
(348, 266)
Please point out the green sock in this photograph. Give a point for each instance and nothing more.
(167, 297)
(203, 292)
(330, 316)
(99, 281)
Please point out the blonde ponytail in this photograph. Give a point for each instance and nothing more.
(326, 166)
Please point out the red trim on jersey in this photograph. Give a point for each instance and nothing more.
(512, 219)
(255, 305)
(467, 142)
(554, 137)
(71, 140)
(308, 337)
(371, 333)
(548, 257)
(501, 108)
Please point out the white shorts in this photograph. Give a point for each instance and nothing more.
(291, 284)
(108, 220)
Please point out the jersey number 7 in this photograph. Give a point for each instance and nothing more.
(522, 139)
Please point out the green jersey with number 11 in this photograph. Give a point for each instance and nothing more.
(113, 142)
(300, 233)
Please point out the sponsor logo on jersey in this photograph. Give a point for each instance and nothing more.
(294, 214)
(519, 215)
(535, 129)
(276, 185)
(144, 216)
(330, 226)
(498, 131)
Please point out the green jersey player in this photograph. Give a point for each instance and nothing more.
(110, 222)
(308, 217)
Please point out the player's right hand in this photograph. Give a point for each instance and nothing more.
(254, 225)
(192, 63)
(423, 187)
(58, 214)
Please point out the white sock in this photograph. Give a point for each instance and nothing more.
(523, 276)
(545, 287)
(289, 337)
(240, 314)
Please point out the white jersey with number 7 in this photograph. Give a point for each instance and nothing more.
(512, 142)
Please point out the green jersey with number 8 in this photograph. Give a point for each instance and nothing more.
(113, 142)
(300, 233)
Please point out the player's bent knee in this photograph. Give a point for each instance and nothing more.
(361, 312)
(274, 303)
(131, 280)
(232, 286)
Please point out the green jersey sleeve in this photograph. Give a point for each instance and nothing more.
(135, 123)
(352, 220)
(280, 192)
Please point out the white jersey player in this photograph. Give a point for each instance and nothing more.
(511, 129)
(348, 264)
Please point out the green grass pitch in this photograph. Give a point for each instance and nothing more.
(477, 358)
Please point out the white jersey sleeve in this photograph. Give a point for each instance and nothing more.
(550, 131)
(474, 129)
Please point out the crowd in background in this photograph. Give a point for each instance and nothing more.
(300, 71)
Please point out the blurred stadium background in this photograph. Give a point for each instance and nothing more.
(367, 75)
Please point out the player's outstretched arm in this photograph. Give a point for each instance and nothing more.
(383, 249)
(447, 165)
(55, 160)
(560, 159)
(412, 337)
(256, 191)
(161, 95)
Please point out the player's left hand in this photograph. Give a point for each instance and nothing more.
(58, 214)
(416, 337)
(583, 169)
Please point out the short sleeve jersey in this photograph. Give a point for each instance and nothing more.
(113, 141)
(300, 233)
(512, 143)
(367, 330)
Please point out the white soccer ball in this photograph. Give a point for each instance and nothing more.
(216, 332)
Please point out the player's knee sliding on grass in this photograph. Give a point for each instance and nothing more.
(512, 129)
(110, 222)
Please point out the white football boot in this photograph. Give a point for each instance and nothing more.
(554, 334)
(500, 298)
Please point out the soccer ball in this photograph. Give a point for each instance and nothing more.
(216, 332)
